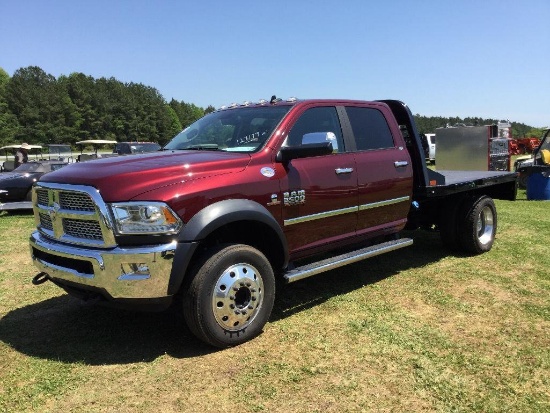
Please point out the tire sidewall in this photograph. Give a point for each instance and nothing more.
(204, 283)
(468, 236)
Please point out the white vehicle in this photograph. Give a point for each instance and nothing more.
(431, 145)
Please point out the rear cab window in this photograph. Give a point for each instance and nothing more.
(370, 128)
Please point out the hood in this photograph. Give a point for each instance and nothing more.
(4, 176)
(125, 177)
(9, 175)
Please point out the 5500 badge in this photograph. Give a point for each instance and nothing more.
(294, 197)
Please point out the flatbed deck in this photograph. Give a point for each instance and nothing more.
(443, 183)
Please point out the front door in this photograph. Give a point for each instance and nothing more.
(320, 193)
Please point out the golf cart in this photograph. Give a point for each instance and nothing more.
(9, 151)
(95, 144)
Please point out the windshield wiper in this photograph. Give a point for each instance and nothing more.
(197, 147)
(203, 147)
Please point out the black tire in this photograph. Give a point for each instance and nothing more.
(477, 225)
(229, 299)
(448, 230)
(523, 179)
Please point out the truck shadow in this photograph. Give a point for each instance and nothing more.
(65, 329)
(310, 292)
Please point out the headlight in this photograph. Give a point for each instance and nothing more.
(145, 218)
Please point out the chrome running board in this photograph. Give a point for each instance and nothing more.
(328, 264)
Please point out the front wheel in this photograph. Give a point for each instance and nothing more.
(478, 225)
(230, 296)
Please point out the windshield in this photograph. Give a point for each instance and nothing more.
(244, 129)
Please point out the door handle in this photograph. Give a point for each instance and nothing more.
(399, 164)
(340, 171)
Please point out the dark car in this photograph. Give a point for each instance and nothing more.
(15, 186)
(126, 148)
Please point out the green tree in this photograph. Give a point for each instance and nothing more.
(42, 107)
(9, 124)
(187, 112)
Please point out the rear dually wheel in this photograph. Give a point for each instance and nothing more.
(477, 225)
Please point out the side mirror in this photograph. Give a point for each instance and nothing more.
(287, 153)
(321, 137)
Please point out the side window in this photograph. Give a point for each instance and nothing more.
(317, 124)
(370, 128)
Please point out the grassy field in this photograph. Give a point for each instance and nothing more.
(415, 330)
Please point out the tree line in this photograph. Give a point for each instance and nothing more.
(427, 124)
(37, 108)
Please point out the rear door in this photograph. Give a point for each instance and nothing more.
(384, 169)
(320, 193)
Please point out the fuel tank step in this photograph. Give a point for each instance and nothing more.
(328, 264)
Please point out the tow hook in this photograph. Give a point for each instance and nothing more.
(40, 278)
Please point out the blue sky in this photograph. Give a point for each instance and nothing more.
(450, 58)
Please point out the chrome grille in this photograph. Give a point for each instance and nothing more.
(74, 214)
(46, 222)
(42, 196)
(76, 201)
(82, 229)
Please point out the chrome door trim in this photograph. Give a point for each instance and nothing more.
(320, 215)
(384, 203)
(333, 213)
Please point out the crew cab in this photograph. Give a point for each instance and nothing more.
(248, 194)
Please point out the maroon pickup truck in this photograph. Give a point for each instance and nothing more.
(246, 195)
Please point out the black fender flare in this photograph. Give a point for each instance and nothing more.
(208, 220)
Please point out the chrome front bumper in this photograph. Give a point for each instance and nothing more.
(122, 273)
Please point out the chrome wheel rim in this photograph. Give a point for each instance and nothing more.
(237, 297)
(485, 225)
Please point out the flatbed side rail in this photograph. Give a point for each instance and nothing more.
(496, 184)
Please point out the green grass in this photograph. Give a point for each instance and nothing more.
(415, 330)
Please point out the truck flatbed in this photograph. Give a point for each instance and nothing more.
(444, 183)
